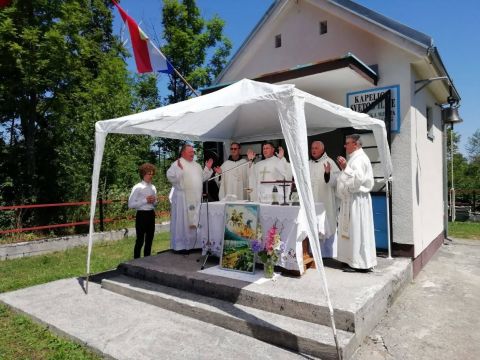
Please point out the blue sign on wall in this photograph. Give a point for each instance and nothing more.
(360, 100)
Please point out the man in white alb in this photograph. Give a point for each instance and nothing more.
(234, 178)
(272, 168)
(356, 235)
(323, 175)
(186, 177)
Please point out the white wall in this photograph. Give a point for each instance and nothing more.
(301, 43)
(427, 162)
(417, 213)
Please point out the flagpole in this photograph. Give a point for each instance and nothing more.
(176, 72)
(185, 81)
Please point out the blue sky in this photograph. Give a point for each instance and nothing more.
(454, 26)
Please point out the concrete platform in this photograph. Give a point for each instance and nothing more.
(163, 307)
(118, 327)
(290, 312)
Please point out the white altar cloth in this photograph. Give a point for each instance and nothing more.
(292, 233)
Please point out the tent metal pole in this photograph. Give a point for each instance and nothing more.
(387, 199)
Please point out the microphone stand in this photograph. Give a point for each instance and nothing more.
(208, 243)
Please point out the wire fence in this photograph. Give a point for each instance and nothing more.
(27, 222)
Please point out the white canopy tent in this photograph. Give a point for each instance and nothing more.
(248, 111)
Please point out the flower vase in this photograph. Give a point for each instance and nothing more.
(268, 267)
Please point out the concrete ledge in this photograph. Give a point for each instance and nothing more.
(45, 246)
(297, 335)
(181, 274)
(377, 305)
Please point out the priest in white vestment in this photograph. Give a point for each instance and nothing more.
(186, 177)
(272, 168)
(323, 175)
(356, 235)
(234, 177)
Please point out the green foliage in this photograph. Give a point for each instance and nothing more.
(455, 138)
(61, 70)
(473, 147)
(190, 40)
(466, 172)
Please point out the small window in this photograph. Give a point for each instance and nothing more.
(323, 27)
(278, 40)
(429, 116)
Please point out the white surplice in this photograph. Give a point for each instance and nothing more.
(325, 193)
(356, 234)
(185, 198)
(271, 169)
(234, 182)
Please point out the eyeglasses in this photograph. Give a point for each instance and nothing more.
(234, 148)
(150, 173)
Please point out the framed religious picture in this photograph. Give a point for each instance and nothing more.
(240, 230)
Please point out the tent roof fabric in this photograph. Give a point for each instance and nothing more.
(243, 111)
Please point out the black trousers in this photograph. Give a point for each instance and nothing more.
(145, 228)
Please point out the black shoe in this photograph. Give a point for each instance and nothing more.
(180, 252)
(351, 270)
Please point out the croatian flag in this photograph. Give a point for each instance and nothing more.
(147, 57)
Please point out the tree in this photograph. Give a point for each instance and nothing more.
(189, 39)
(459, 160)
(61, 70)
(473, 146)
(473, 171)
(466, 173)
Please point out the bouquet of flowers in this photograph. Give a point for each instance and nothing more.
(269, 250)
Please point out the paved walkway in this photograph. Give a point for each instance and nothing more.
(438, 316)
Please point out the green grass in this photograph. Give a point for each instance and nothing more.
(28, 271)
(464, 230)
(20, 338)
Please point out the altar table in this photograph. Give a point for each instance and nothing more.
(287, 217)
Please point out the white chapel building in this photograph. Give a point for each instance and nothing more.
(353, 56)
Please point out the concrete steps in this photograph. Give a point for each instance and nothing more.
(290, 312)
(284, 331)
(236, 292)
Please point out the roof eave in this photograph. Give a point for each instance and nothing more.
(416, 37)
(250, 36)
(436, 61)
